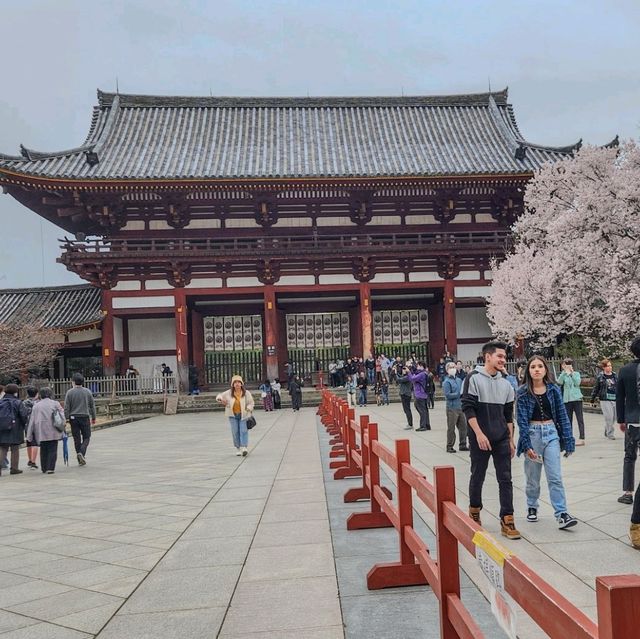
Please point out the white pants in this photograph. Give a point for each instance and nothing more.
(609, 412)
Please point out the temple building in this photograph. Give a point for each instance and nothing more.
(236, 234)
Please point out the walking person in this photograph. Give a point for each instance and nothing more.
(295, 390)
(32, 447)
(452, 389)
(628, 410)
(544, 431)
(605, 391)
(238, 407)
(13, 423)
(266, 396)
(361, 385)
(42, 429)
(405, 390)
(487, 402)
(570, 379)
(80, 412)
(419, 380)
(276, 390)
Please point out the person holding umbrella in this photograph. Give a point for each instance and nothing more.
(46, 426)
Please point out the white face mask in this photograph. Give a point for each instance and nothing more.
(452, 372)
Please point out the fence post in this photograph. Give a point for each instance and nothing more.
(376, 518)
(618, 598)
(447, 544)
(344, 414)
(349, 469)
(405, 572)
(361, 492)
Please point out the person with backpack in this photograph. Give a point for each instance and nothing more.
(80, 412)
(46, 427)
(32, 447)
(13, 422)
(420, 383)
(628, 410)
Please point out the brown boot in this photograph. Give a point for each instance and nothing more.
(634, 535)
(508, 527)
(474, 513)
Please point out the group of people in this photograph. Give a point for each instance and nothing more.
(41, 421)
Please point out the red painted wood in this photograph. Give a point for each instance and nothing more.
(197, 343)
(182, 341)
(436, 332)
(405, 499)
(618, 600)
(108, 346)
(448, 563)
(395, 574)
(271, 333)
(451, 329)
(366, 320)
(553, 612)
(461, 620)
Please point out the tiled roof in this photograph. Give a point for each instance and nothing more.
(60, 307)
(149, 137)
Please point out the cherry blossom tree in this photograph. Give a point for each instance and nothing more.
(574, 268)
(25, 346)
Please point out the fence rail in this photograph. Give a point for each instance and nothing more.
(113, 386)
(357, 452)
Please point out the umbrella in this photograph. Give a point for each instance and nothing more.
(65, 448)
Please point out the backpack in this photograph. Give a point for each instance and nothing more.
(7, 415)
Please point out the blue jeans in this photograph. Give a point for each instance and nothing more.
(239, 431)
(384, 393)
(362, 397)
(371, 375)
(545, 442)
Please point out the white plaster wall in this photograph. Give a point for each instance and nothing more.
(383, 220)
(243, 281)
(239, 223)
(204, 224)
(485, 217)
(420, 219)
(147, 365)
(469, 352)
(472, 322)
(158, 285)
(292, 280)
(205, 282)
(85, 336)
(424, 277)
(134, 225)
(337, 278)
(291, 222)
(334, 221)
(473, 291)
(118, 343)
(468, 275)
(158, 225)
(461, 218)
(127, 285)
(153, 301)
(388, 277)
(152, 334)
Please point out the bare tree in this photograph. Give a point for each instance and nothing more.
(26, 346)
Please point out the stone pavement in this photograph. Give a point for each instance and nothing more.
(165, 533)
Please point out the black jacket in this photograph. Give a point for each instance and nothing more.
(16, 434)
(600, 387)
(627, 394)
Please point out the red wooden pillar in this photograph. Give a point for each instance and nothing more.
(108, 351)
(270, 332)
(197, 344)
(450, 316)
(182, 339)
(282, 349)
(436, 333)
(618, 600)
(366, 321)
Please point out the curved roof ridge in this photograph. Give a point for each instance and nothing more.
(140, 100)
(45, 289)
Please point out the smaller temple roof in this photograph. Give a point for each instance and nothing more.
(64, 308)
(141, 137)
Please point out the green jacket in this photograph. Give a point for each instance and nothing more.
(570, 386)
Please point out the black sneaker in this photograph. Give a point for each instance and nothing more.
(463, 448)
(81, 459)
(451, 449)
(565, 520)
(532, 514)
(626, 499)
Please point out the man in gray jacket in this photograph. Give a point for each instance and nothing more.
(80, 412)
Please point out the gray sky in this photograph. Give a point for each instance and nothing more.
(571, 67)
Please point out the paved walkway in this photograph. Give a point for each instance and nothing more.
(165, 533)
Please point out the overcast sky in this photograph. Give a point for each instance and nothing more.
(571, 67)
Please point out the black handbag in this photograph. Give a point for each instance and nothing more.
(251, 422)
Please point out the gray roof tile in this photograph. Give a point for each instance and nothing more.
(145, 137)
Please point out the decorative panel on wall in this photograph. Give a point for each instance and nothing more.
(317, 330)
(232, 333)
(400, 327)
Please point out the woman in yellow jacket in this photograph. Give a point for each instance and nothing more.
(238, 403)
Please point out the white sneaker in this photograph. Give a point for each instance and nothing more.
(245, 452)
(238, 452)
